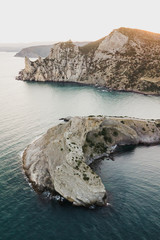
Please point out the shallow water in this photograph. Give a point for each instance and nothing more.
(132, 180)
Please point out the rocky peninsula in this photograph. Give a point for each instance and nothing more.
(125, 60)
(59, 161)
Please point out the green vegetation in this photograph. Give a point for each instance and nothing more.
(100, 147)
(95, 134)
(91, 144)
(115, 133)
(84, 147)
(78, 164)
(104, 132)
(85, 178)
(157, 124)
(108, 139)
(106, 135)
(89, 139)
(151, 87)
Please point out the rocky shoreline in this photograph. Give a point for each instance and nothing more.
(59, 161)
(96, 86)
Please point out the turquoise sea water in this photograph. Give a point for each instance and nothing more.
(132, 180)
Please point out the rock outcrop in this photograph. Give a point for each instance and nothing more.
(59, 160)
(125, 60)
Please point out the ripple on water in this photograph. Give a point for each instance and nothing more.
(132, 180)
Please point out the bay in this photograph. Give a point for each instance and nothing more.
(132, 180)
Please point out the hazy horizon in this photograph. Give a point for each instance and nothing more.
(36, 43)
(85, 20)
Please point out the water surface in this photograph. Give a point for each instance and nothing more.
(27, 110)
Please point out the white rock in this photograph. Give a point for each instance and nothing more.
(58, 159)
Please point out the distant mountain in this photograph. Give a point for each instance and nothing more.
(11, 47)
(35, 51)
(125, 60)
(40, 51)
(16, 47)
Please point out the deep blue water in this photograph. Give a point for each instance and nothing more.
(132, 180)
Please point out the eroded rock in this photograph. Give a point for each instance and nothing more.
(125, 60)
(59, 160)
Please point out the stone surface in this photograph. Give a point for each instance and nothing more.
(59, 160)
(125, 60)
(112, 43)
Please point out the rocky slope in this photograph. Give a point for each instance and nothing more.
(59, 160)
(125, 60)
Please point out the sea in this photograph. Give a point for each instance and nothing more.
(131, 178)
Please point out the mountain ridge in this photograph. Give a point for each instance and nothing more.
(125, 60)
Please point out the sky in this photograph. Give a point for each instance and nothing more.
(78, 20)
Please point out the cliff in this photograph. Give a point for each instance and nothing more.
(59, 160)
(125, 60)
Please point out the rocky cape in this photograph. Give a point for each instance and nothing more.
(125, 60)
(59, 161)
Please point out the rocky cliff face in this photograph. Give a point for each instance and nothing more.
(125, 60)
(59, 160)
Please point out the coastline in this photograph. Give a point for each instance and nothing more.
(62, 164)
(93, 85)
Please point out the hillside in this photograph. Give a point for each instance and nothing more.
(125, 60)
